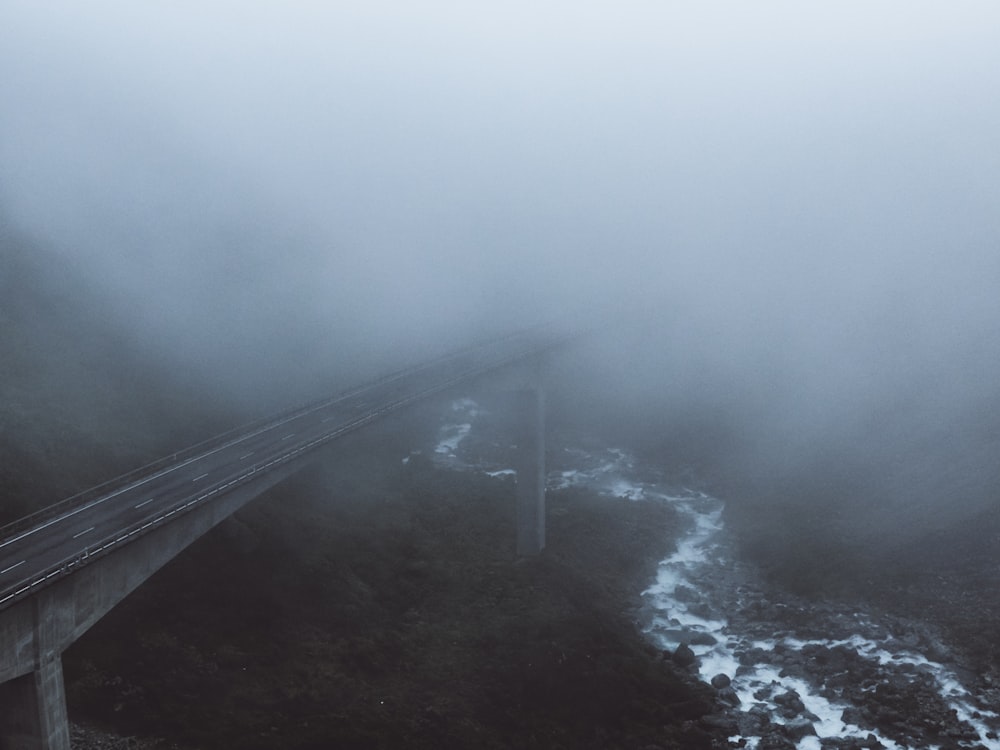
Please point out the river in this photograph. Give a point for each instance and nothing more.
(789, 672)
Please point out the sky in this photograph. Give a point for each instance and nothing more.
(794, 199)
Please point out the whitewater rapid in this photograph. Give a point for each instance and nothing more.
(684, 614)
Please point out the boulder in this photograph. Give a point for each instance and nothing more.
(762, 694)
(790, 702)
(729, 696)
(702, 639)
(755, 722)
(721, 681)
(796, 729)
(684, 656)
(755, 655)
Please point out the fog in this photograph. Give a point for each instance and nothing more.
(788, 211)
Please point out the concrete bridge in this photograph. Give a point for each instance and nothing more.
(65, 567)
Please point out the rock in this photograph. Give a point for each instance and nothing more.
(755, 655)
(775, 741)
(796, 729)
(764, 693)
(840, 680)
(728, 696)
(702, 639)
(684, 656)
(721, 681)
(843, 743)
(793, 668)
(722, 722)
(702, 610)
(790, 702)
(755, 722)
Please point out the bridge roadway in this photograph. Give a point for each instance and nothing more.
(61, 542)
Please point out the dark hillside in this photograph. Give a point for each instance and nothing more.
(78, 404)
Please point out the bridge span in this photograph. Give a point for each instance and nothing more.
(64, 567)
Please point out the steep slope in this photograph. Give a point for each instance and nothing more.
(78, 404)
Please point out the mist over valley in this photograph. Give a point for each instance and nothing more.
(774, 231)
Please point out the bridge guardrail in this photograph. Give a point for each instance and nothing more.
(216, 441)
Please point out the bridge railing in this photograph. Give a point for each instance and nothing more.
(122, 481)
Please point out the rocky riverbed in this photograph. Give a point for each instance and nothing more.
(797, 672)
(787, 671)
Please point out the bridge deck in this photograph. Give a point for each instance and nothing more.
(57, 542)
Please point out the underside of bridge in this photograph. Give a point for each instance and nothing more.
(35, 631)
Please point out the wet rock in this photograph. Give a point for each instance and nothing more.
(762, 694)
(729, 696)
(796, 729)
(755, 655)
(910, 708)
(935, 650)
(702, 639)
(839, 680)
(853, 715)
(721, 681)
(702, 610)
(838, 743)
(790, 702)
(677, 635)
(794, 668)
(851, 743)
(684, 656)
(775, 741)
(721, 722)
(755, 722)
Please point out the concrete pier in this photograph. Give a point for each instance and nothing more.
(530, 407)
(531, 473)
(33, 709)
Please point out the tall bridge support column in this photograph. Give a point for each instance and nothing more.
(33, 706)
(531, 469)
(33, 710)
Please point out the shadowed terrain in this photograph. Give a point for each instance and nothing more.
(364, 603)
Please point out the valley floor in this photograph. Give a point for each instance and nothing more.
(345, 612)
